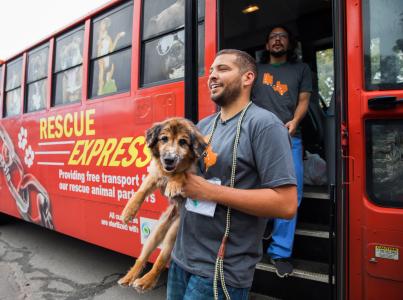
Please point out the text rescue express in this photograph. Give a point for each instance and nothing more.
(111, 152)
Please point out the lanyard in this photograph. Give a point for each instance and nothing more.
(219, 264)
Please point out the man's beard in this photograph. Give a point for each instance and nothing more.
(228, 95)
(278, 53)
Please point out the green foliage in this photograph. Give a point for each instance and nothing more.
(324, 62)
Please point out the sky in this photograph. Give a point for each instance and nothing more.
(25, 22)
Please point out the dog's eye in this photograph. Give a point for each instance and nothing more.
(164, 139)
(182, 142)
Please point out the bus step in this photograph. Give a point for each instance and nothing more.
(314, 211)
(256, 296)
(316, 192)
(304, 269)
(312, 230)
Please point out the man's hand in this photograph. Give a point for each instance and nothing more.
(280, 202)
(300, 111)
(195, 187)
(291, 126)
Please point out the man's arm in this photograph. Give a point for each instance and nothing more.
(279, 202)
(300, 111)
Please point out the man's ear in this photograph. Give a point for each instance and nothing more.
(248, 78)
(152, 137)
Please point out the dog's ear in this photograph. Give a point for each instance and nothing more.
(152, 137)
(197, 141)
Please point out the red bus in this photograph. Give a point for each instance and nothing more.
(76, 104)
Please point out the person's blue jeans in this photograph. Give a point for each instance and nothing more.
(284, 230)
(183, 285)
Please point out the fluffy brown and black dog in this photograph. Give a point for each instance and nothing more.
(175, 144)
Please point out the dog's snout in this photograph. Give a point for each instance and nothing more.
(169, 161)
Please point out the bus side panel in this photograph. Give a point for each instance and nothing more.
(375, 219)
(104, 228)
(354, 67)
(206, 105)
(12, 169)
(86, 162)
(73, 167)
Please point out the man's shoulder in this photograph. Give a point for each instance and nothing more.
(298, 65)
(206, 121)
(263, 125)
(256, 116)
(263, 117)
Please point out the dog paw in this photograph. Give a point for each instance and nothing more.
(127, 280)
(124, 281)
(126, 216)
(145, 283)
(132, 275)
(173, 189)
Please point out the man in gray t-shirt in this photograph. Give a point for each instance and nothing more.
(264, 187)
(283, 86)
(278, 88)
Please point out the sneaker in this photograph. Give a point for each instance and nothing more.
(283, 267)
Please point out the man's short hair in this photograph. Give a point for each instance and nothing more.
(244, 61)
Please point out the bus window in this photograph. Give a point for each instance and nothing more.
(37, 78)
(324, 63)
(68, 67)
(383, 42)
(13, 88)
(385, 162)
(111, 52)
(157, 16)
(163, 40)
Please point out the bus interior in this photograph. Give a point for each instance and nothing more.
(310, 21)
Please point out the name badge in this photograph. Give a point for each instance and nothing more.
(205, 208)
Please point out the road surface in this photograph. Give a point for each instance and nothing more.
(38, 264)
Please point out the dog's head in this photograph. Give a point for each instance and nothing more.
(176, 143)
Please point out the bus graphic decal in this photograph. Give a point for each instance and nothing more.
(22, 144)
(32, 199)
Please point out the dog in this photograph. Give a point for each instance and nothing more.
(175, 146)
(171, 17)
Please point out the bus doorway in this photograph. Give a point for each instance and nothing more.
(243, 25)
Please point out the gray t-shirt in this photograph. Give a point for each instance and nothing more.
(264, 161)
(277, 87)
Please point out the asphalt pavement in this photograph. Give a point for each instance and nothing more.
(41, 264)
(38, 264)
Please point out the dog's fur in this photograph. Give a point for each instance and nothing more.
(175, 145)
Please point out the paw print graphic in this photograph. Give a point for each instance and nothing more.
(22, 138)
(29, 156)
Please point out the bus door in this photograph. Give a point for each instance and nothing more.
(245, 26)
(375, 158)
